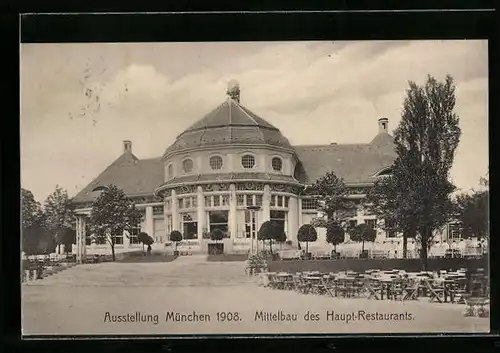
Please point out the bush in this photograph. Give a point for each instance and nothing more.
(216, 235)
(307, 233)
(145, 239)
(334, 234)
(175, 236)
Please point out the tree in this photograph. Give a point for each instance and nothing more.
(361, 233)
(425, 143)
(32, 223)
(269, 230)
(307, 233)
(145, 239)
(473, 213)
(331, 194)
(176, 237)
(280, 238)
(113, 213)
(31, 210)
(59, 216)
(388, 200)
(334, 234)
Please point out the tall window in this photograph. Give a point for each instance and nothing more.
(159, 230)
(454, 231)
(277, 164)
(390, 233)
(190, 226)
(278, 217)
(219, 220)
(133, 234)
(158, 210)
(250, 224)
(309, 204)
(169, 224)
(371, 223)
(170, 171)
(248, 161)
(279, 201)
(216, 162)
(188, 202)
(187, 165)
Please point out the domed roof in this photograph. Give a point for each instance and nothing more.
(230, 123)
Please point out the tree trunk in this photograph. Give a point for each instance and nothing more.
(270, 246)
(425, 236)
(59, 249)
(363, 245)
(113, 252)
(405, 244)
(335, 247)
(307, 247)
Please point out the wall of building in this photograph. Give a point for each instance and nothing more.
(231, 157)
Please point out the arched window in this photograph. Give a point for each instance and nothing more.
(248, 161)
(187, 165)
(170, 170)
(216, 162)
(277, 164)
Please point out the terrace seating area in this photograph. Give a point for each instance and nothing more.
(36, 267)
(457, 287)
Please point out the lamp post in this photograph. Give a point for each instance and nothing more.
(253, 215)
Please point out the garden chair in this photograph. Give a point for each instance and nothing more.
(299, 285)
(372, 288)
(476, 306)
(435, 291)
(411, 290)
(396, 290)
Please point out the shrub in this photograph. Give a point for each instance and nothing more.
(334, 234)
(175, 237)
(307, 233)
(216, 235)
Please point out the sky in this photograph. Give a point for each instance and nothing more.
(80, 101)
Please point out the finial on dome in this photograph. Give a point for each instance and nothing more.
(233, 90)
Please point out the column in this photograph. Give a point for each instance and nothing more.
(78, 241)
(233, 219)
(84, 237)
(175, 211)
(126, 239)
(293, 218)
(148, 219)
(299, 206)
(266, 204)
(200, 199)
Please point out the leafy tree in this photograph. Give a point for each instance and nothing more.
(389, 200)
(307, 233)
(269, 230)
(176, 237)
(31, 210)
(331, 194)
(32, 223)
(361, 233)
(216, 235)
(145, 239)
(334, 234)
(473, 213)
(426, 140)
(113, 213)
(59, 216)
(280, 238)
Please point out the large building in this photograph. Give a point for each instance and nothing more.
(227, 161)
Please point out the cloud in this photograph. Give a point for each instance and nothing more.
(315, 92)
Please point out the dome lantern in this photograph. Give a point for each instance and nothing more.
(233, 90)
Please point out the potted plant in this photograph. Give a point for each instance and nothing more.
(335, 235)
(307, 233)
(361, 233)
(217, 248)
(268, 231)
(175, 237)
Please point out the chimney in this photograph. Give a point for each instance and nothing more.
(127, 146)
(383, 125)
(233, 90)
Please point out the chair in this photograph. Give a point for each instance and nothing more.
(411, 290)
(396, 290)
(435, 291)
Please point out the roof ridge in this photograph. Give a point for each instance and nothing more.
(244, 111)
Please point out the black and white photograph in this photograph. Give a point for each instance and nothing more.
(295, 187)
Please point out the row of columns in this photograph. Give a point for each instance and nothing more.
(262, 216)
